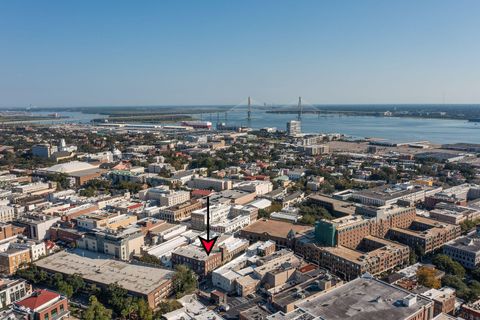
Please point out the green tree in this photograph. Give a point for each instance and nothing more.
(426, 276)
(468, 225)
(76, 282)
(265, 213)
(56, 280)
(454, 282)
(474, 286)
(28, 272)
(97, 311)
(65, 288)
(385, 173)
(184, 281)
(462, 289)
(262, 213)
(132, 187)
(99, 184)
(143, 310)
(62, 181)
(94, 290)
(128, 307)
(88, 192)
(476, 273)
(308, 219)
(312, 212)
(167, 306)
(445, 263)
(151, 259)
(42, 276)
(419, 251)
(115, 296)
(327, 188)
(123, 305)
(413, 257)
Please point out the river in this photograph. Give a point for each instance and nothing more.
(398, 129)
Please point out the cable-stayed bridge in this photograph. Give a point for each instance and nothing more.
(250, 106)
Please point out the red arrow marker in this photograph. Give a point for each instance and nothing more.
(208, 243)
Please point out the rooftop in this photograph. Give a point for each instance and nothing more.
(338, 205)
(275, 228)
(411, 271)
(365, 298)
(134, 278)
(254, 313)
(347, 221)
(297, 314)
(70, 167)
(37, 299)
(304, 290)
(193, 252)
(391, 192)
(467, 243)
(192, 309)
(453, 210)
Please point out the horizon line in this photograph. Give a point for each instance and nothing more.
(232, 105)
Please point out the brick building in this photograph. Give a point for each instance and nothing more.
(196, 258)
(179, 212)
(43, 305)
(281, 232)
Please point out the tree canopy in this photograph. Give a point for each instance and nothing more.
(426, 276)
(97, 311)
(184, 281)
(312, 212)
(445, 263)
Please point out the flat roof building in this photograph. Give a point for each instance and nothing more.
(37, 226)
(426, 234)
(210, 183)
(465, 250)
(281, 232)
(121, 244)
(192, 310)
(470, 311)
(391, 194)
(374, 255)
(233, 197)
(153, 284)
(197, 259)
(285, 300)
(335, 206)
(180, 212)
(367, 298)
(453, 214)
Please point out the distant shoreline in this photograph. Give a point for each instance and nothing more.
(377, 114)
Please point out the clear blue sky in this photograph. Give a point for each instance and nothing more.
(75, 53)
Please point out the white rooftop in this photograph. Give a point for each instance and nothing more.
(69, 167)
(260, 203)
(192, 309)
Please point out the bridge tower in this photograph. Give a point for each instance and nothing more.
(300, 109)
(249, 112)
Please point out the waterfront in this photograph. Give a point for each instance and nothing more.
(390, 128)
